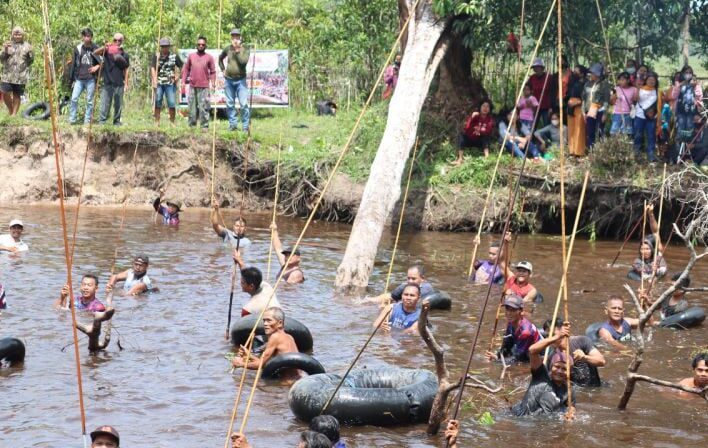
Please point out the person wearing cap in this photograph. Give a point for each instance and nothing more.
(596, 99)
(289, 259)
(541, 88)
(520, 333)
(586, 357)
(16, 57)
(491, 269)
(170, 214)
(517, 282)
(415, 275)
(200, 73)
(165, 73)
(86, 300)
(235, 82)
(115, 79)
(105, 437)
(12, 242)
(617, 329)
(236, 237)
(84, 71)
(136, 280)
(252, 284)
(548, 392)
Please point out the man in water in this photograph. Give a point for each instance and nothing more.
(416, 276)
(547, 393)
(86, 301)
(518, 282)
(484, 270)
(12, 242)
(586, 357)
(308, 439)
(289, 260)
(617, 329)
(677, 303)
(136, 279)
(252, 283)
(279, 342)
(402, 315)
(699, 380)
(170, 214)
(329, 426)
(235, 237)
(520, 333)
(105, 437)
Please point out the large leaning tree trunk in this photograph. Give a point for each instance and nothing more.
(427, 40)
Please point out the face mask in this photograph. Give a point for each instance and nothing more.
(687, 76)
(631, 70)
(555, 122)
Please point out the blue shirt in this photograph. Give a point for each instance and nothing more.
(624, 335)
(402, 320)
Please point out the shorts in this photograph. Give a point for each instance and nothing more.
(17, 89)
(169, 92)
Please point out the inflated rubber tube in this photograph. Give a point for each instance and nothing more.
(12, 350)
(301, 361)
(439, 300)
(633, 275)
(242, 328)
(688, 318)
(538, 298)
(592, 331)
(389, 396)
(29, 113)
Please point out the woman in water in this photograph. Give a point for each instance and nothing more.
(645, 265)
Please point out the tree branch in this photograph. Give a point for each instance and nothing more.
(692, 390)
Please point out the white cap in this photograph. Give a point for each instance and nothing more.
(524, 265)
(16, 222)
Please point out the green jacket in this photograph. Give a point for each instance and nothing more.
(235, 62)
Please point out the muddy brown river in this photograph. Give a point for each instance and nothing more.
(170, 386)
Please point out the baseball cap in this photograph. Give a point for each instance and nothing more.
(514, 301)
(165, 42)
(16, 222)
(235, 31)
(142, 258)
(105, 431)
(538, 62)
(290, 251)
(524, 265)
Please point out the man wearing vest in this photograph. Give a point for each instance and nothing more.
(165, 74)
(235, 83)
(84, 68)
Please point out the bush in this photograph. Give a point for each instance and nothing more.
(612, 156)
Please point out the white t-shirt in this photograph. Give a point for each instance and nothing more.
(230, 238)
(259, 300)
(8, 241)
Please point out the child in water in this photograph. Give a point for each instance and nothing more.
(170, 214)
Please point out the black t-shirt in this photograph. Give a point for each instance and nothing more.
(114, 66)
(85, 60)
(542, 397)
(582, 373)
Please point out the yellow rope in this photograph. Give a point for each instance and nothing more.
(275, 206)
(315, 208)
(657, 243)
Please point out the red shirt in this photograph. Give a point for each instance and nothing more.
(519, 290)
(479, 125)
(536, 82)
(200, 69)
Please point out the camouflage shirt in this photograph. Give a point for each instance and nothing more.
(16, 62)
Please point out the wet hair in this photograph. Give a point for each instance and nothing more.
(239, 219)
(613, 298)
(252, 276)
(547, 324)
(327, 425)
(685, 283)
(412, 285)
(418, 267)
(277, 313)
(87, 32)
(698, 358)
(314, 439)
(93, 276)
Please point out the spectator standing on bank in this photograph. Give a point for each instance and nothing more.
(115, 79)
(165, 75)
(16, 58)
(235, 81)
(85, 64)
(200, 73)
(541, 88)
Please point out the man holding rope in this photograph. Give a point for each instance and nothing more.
(252, 283)
(235, 237)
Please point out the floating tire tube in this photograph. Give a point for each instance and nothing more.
(12, 350)
(31, 112)
(538, 298)
(633, 275)
(439, 300)
(242, 328)
(381, 397)
(592, 331)
(688, 318)
(300, 361)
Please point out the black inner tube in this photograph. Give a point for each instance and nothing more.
(300, 361)
(12, 350)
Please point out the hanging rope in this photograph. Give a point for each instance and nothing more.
(275, 206)
(657, 243)
(249, 141)
(316, 206)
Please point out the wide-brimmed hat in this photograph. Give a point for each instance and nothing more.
(174, 203)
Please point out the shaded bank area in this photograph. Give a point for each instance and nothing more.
(182, 165)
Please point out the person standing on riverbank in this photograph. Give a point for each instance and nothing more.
(16, 57)
(235, 82)
(165, 75)
(289, 260)
(235, 237)
(84, 67)
(541, 88)
(200, 73)
(115, 79)
(136, 279)
(12, 242)
(86, 301)
(252, 283)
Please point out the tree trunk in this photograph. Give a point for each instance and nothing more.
(423, 52)
(686, 34)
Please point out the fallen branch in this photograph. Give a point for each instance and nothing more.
(93, 330)
(692, 390)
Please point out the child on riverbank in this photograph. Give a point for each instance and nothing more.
(623, 99)
(527, 106)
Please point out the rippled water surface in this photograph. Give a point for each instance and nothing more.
(170, 386)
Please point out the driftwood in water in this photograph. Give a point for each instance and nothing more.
(93, 330)
(438, 413)
(644, 316)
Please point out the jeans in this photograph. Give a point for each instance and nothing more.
(644, 126)
(592, 126)
(199, 106)
(111, 94)
(515, 149)
(621, 124)
(89, 85)
(526, 127)
(237, 89)
(168, 91)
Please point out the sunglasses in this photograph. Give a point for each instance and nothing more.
(117, 40)
(201, 45)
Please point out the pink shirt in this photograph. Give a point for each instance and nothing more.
(526, 113)
(625, 99)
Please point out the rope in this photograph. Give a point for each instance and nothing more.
(249, 141)
(316, 206)
(67, 257)
(657, 243)
(275, 207)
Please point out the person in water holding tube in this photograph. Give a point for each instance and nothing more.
(289, 260)
(617, 329)
(252, 283)
(517, 282)
(586, 357)
(170, 214)
(86, 301)
(403, 315)
(484, 270)
(308, 439)
(235, 237)
(415, 275)
(548, 392)
(645, 266)
(699, 380)
(136, 280)
(520, 333)
(279, 342)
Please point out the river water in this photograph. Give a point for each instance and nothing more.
(170, 386)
